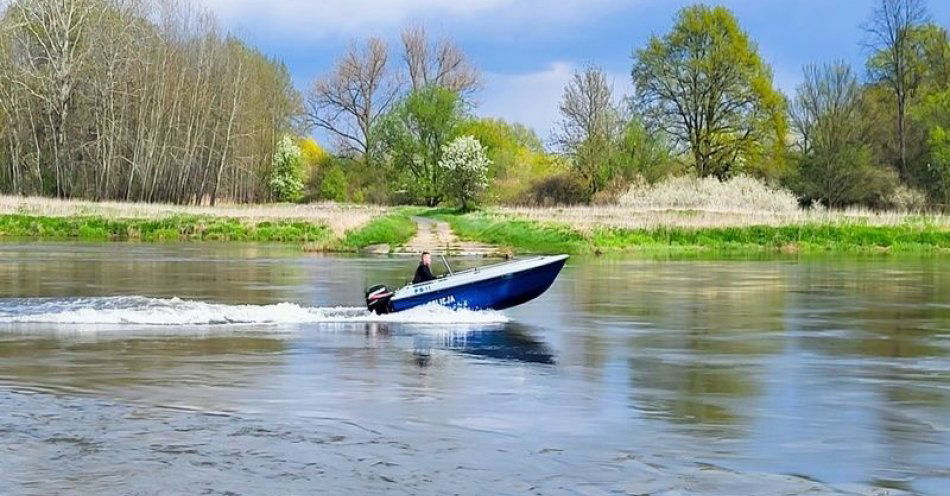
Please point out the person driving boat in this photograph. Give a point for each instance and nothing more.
(424, 270)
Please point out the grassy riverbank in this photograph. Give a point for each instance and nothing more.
(174, 228)
(334, 227)
(321, 227)
(393, 229)
(338, 218)
(532, 236)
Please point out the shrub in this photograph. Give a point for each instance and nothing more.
(688, 192)
(466, 169)
(286, 181)
(843, 176)
(517, 155)
(333, 187)
(563, 188)
(907, 199)
(613, 190)
(874, 187)
(526, 170)
(937, 174)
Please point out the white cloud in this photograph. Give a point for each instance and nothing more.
(309, 19)
(532, 98)
(528, 97)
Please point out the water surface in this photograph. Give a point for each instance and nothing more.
(251, 369)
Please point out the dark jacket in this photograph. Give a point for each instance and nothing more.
(423, 274)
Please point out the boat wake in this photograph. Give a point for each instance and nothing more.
(140, 310)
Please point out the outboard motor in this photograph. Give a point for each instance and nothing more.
(377, 299)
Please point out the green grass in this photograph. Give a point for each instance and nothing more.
(516, 234)
(798, 238)
(176, 228)
(520, 235)
(393, 229)
(536, 237)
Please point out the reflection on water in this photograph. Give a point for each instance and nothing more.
(509, 341)
(787, 376)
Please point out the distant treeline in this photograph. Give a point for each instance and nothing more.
(142, 100)
(704, 104)
(145, 100)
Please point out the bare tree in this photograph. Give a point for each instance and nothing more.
(348, 101)
(890, 36)
(826, 111)
(441, 63)
(836, 164)
(590, 126)
(135, 100)
(53, 38)
(588, 110)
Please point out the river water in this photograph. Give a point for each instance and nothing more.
(249, 369)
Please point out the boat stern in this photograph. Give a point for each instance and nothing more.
(378, 299)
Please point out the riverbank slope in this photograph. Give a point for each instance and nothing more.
(579, 230)
(618, 229)
(321, 226)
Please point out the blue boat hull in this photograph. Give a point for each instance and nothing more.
(496, 293)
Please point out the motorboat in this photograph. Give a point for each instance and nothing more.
(493, 287)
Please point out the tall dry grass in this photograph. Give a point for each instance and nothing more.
(698, 203)
(585, 218)
(741, 193)
(338, 217)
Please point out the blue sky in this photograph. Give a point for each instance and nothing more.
(527, 49)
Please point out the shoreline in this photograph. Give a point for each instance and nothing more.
(394, 227)
(328, 226)
(806, 237)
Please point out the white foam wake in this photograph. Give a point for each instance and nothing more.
(139, 310)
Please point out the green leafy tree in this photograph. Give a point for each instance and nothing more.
(411, 139)
(938, 167)
(641, 153)
(590, 126)
(927, 59)
(836, 165)
(334, 184)
(706, 87)
(893, 64)
(929, 113)
(465, 166)
(518, 159)
(931, 53)
(505, 143)
(286, 181)
(932, 113)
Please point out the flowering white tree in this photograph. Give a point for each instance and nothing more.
(466, 169)
(286, 180)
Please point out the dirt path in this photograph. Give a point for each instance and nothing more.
(437, 237)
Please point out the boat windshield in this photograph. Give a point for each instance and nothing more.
(475, 269)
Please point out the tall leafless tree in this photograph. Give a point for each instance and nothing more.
(590, 126)
(348, 101)
(440, 63)
(588, 110)
(890, 37)
(135, 100)
(826, 111)
(831, 120)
